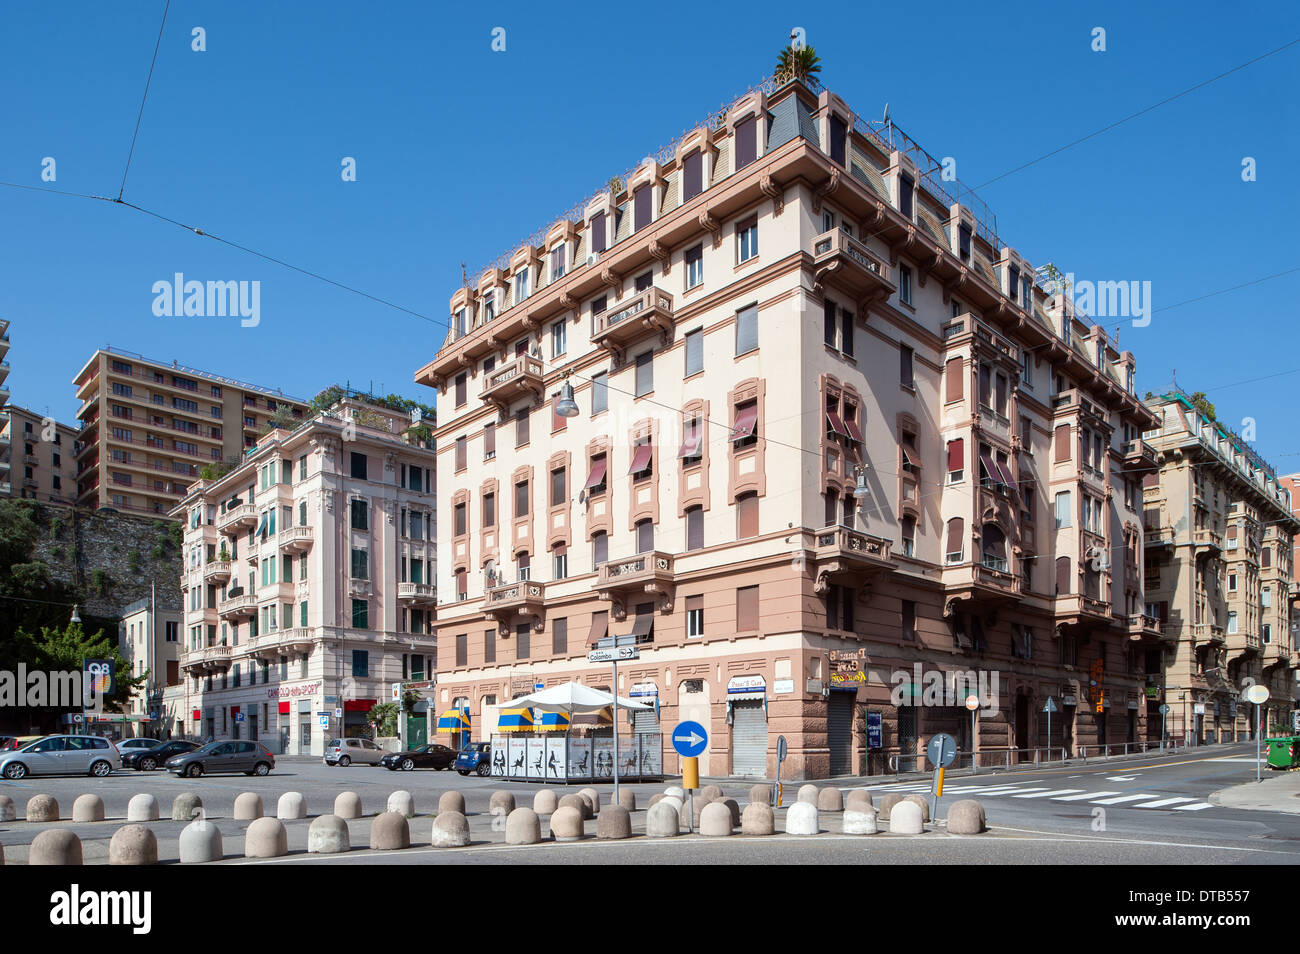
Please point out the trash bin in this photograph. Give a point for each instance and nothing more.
(1283, 751)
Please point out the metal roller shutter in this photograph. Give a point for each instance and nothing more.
(839, 731)
(749, 739)
(645, 720)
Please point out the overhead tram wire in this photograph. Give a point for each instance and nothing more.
(144, 99)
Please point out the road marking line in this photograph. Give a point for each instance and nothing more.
(1049, 793)
(1085, 796)
(1120, 778)
(1093, 839)
(1196, 807)
(1250, 761)
(1124, 798)
(1165, 801)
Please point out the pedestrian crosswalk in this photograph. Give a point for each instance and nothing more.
(1030, 790)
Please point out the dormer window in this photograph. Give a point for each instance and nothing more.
(692, 175)
(963, 242)
(521, 284)
(489, 307)
(557, 262)
(460, 323)
(640, 208)
(1013, 282)
(906, 190)
(598, 239)
(746, 141)
(839, 140)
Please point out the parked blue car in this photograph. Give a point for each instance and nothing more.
(475, 757)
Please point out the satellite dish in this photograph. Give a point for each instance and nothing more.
(582, 496)
(885, 120)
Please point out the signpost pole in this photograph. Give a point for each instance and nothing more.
(1258, 733)
(615, 694)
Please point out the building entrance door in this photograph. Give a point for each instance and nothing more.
(839, 731)
(749, 738)
(907, 759)
(1022, 726)
(304, 739)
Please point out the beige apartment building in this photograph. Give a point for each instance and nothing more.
(148, 428)
(149, 639)
(1219, 533)
(838, 447)
(6, 435)
(43, 456)
(308, 582)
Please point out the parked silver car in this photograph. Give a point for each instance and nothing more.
(62, 755)
(127, 745)
(346, 751)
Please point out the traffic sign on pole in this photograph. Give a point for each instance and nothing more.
(690, 739)
(613, 655)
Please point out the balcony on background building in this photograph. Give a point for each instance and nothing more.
(417, 594)
(509, 600)
(515, 379)
(622, 582)
(216, 571)
(842, 261)
(1143, 626)
(1209, 633)
(207, 659)
(293, 641)
(844, 555)
(1138, 456)
(236, 518)
(1159, 537)
(1079, 608)
(295, 538)
(647, 313)
(1207, 542)
(238, 606)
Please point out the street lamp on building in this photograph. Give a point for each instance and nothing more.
(566, 406)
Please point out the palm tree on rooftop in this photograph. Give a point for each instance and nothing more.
(799, 63)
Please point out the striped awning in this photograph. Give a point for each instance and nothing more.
(553, 722)
(515, 720)
(454, 720)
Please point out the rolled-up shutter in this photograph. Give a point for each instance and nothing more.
(1063, 442)
(955, 528)
(952, 380)
(749, 738)
(956, 454)
(839, 732)
(1063, 587)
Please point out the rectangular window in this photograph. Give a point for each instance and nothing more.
(956, 460)
(557, 262)
(848, 331)
(747, 516)
(521, 499)
(360, 564)
(523, 640)
(521, 427)
(904, 284)
(1062, 443)
(694, 352)
(559, 495)
(462, 649)
(360, 514)
(358, 466)
(645, 536)
(905, 367)
(694, 616)
(559, 339)
(641, 197)
(599, 392)
(747, 330)
(830, 324)
(489, 645)
(459, 520)
(906, 190)
(598, 239)
(560, 636)
(747, 240)
(360, 663)
(746, 142)
(360, 614)
(692, 176)
(645, 378)
(560, 563)
(839, 137)
(695, 528)
(599, 548)
(461, 455)
(1063, 510)
(694, 259)
(747, 609)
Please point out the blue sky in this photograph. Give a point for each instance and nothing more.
(462, 151)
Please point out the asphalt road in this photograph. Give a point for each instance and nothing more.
(1143, 810)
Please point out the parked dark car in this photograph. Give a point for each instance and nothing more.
(146, 760)
(251, 758)
(431, 755)
(475, 757)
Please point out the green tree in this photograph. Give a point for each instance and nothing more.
(1203, 405)
(801, 64)
(67, 648)
(384, 716)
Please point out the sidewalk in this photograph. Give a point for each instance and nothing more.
(1279, 792)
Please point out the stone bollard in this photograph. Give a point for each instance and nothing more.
(501, 803)
(200, 843)
(808, 793)
(966, 817)
(575, 801)
(675, 790)
(7, 810)
(715, 820)
(588, 806)
(523, 827)
(860, 800)
(328, 835)
(186, 807)
(248, 806)
(42, 808)
(674, 801)
(614, 821)
(627, 799)
(859, 821)
(887, 803)
(594, 796)
(266, 838)
(905, 819)
(662, 820)
(133, 845)
(921, 802)
(567, 824)
(88, 808)
(450, 830)
(291, 805)
(545, 801)
(711, 792)
(55, 846)
(760, 794)
(733, 806)
(451, 802)
(142, 808)
(403, 803)
(801, 819)
(830, 799)
(758, 819)
(347, 805)
(390, 832)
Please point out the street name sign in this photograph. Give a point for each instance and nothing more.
(619, 654)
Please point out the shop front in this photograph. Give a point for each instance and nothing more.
(747, 717)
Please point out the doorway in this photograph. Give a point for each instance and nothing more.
(1022, 727)
(304, 738)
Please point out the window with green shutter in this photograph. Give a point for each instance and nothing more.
(360, 614)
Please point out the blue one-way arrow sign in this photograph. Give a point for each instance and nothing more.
(690, 739)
